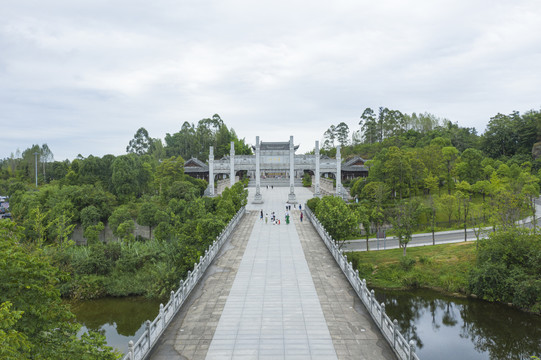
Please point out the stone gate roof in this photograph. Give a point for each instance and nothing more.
(275, 146)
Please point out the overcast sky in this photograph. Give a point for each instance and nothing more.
(83, 76)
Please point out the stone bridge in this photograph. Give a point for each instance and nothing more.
(274, 291)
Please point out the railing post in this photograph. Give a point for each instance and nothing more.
(130, 350)
(162, 314)
(173, 302)
(181, 290)
(412, 349)
(395, 331)
(382, 315)
(147, 326)
(372, 300)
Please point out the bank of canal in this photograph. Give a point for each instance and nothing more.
(119, 319)
(446, 327)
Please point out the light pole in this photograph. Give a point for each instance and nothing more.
(36, 157)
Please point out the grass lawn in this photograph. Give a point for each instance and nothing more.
(444, 267)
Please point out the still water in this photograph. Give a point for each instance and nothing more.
(119, 319)
(455, 328)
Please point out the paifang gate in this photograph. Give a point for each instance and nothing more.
(276, 164)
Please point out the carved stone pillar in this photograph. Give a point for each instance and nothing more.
(232, 165)
(258, 199)
(211, 171)
(292, 199)
(317, 191)
(338, 172)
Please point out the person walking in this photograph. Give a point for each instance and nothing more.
(301, 216)
(261, 215)
(266, 218)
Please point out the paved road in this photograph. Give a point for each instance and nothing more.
(442, 237)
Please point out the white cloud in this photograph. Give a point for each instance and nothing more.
(84, 76)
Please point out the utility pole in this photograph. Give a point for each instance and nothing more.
(36, 157)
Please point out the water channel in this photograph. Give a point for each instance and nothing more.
(448, 328)
(119, 319)
(443, 327)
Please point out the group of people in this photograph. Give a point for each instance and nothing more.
(273, 218)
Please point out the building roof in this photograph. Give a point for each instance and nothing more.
(355, 161)
(355, 164)
(274, 146)
(195, 165)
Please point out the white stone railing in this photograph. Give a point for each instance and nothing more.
(389, 329)
(154, 329)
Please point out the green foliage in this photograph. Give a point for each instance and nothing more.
(29, 283)
(141, 142)
(121, 215)
(13, 342)
(337, 218)
(508, 268)
(193, 141)
(306, 180)
(407, 263)
(312, 203)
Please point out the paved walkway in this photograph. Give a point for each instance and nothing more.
(262, 299)
(191, 331)
(273, 311)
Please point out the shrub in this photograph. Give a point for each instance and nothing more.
(425, 260)
(407, 263)
(312, 203)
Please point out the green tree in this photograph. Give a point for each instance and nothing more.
(447, 205)
(92, 232)
(141, 142)
(330, 137)
(450, 154)
(169, 171)
(500, 137)
(119, 216)
(463, 196)
(369, 127)
(14, 343)
(405, 218)
(150, 215)
(468, 167)
(342, 134)
(339, 221)
(125, 180)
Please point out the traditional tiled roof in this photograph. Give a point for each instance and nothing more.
(275, 146)
(195, 165)
(354, 164)
(355, 161)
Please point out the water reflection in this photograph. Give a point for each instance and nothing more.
(119, 319)
(444, 327)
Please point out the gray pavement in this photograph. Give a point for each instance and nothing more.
(273, 310)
